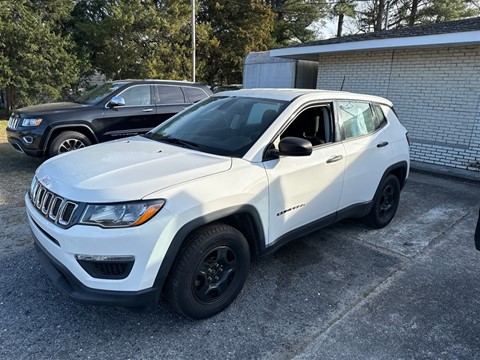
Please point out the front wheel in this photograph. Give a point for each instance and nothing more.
(68, 141)
(385, 203)
(209, 272)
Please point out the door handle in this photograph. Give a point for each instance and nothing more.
(382, 144)
(147, 110)
(334, 159)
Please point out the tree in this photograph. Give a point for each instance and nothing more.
(341, 9)
(402, 13)
(229, 31)
(136, 38)
(445, 10)
(37, 60)
(294, 18)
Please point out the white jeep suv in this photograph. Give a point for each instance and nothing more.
(185, 207)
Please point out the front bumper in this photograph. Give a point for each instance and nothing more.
(147, 244)
(26, 141)
(73, 288)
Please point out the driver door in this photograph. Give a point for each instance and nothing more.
(305, 190)
(133, 118)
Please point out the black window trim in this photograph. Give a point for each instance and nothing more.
(340, 119)
(308, 105)
(120, 91)
(157, 95)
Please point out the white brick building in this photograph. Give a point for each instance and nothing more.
(431, 73)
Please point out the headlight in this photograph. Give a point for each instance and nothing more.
(31, 122)
(121, 215)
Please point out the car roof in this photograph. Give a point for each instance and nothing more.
(305, 94)
(159, 81)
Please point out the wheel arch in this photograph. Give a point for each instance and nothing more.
(83, 129)
(244, 218)
(400, 170)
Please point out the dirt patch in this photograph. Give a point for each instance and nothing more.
(16, 172)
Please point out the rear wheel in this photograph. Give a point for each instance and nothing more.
(68, 141)
(385, 203)
(209, 272)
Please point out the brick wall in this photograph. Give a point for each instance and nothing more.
(436, 93)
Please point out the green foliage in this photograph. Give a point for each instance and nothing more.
(136, 38)
(229, 30)
(37, 61)
(417, 12)
(294, 18)
(446, 10)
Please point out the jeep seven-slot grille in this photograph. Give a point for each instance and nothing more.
(13, 122)
(53, 207)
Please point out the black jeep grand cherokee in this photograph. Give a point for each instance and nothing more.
(110, 111)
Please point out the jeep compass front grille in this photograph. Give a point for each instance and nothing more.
(53, 207)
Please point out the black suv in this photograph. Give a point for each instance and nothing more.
(110, 111)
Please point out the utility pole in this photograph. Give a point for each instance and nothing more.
(193, 40)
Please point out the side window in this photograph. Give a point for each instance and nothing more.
(194, 94)
(380, 119)
(313, 124)
(358, 118)
(169, 94)
(137, 95)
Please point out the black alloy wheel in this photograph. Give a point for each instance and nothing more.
(385, 203)
(209, 271)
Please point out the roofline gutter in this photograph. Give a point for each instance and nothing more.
(426, 41)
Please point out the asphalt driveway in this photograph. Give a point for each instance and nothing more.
(409, 291)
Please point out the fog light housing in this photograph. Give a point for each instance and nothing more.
(106, 266)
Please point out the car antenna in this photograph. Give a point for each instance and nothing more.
(343, 82)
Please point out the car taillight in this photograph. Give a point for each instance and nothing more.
(408, 138)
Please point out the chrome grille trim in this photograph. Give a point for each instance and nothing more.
(13, 122)
(47, 201)
(65, 216)
(55, 208)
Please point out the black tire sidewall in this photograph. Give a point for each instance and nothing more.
(53, 149)
(184, 273)
(373, 218)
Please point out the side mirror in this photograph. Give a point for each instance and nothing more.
(294, 146)
(116, 101)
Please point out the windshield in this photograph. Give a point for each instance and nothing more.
(94, 96)
(226, 126)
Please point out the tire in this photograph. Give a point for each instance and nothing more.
(209, 272)
(67, 141)
(385, 203)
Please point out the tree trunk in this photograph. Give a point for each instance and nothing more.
(340, 25)
(379, 18)
(413, 14)
(10, 98)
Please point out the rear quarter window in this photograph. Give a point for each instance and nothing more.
(380, 119)
(194, 94)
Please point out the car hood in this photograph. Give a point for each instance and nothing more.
(125, 170)
(49, 108)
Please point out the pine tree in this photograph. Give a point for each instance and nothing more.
(231, 29)
(37, 59)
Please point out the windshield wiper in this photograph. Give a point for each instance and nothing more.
(175, 141)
